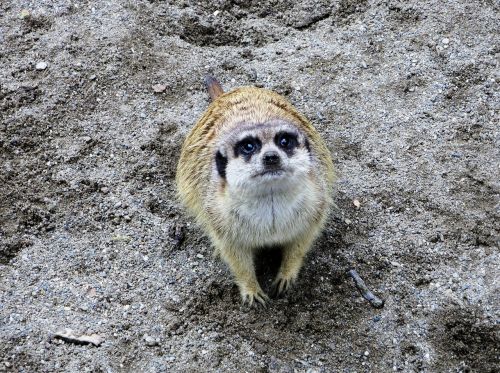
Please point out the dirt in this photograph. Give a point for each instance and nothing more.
(92, 238)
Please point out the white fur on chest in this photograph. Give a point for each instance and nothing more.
(272, 218)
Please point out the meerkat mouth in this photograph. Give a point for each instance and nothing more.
(271, 173)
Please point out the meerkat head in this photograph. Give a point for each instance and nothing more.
(263, 158)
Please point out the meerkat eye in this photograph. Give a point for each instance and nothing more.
(286, 140)
(247, 146)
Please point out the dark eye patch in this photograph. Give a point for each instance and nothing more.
(247, 147)
(307, 145)
(287, 141)
(221, 163)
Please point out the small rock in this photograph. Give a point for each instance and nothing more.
(445, 41)
(25, 13)
(42, 65)
(105, 190)
(150, 341)
(356, 203)
(159, 88)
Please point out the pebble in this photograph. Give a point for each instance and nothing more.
(159, 88)
(445, 41)
(150, 341)
(42, 65)
(25, 13)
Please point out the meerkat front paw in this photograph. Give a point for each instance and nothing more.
(282, 284)
(253, 296)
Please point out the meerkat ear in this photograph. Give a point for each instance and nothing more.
(221, 163)
(213, 86)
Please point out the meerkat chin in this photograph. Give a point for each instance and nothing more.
(256, 174)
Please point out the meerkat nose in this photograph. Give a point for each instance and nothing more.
(271, 158)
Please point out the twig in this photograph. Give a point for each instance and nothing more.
(375, 301)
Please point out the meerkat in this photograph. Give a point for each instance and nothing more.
(255, 174)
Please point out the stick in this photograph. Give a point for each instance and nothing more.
(375, 301)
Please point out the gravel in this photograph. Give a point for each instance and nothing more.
(406, 96)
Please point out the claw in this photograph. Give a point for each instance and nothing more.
(253, 299)
(281, 285)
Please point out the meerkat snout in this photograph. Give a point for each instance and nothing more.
(271, 159)
(256, 174)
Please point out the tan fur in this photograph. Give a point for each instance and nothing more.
(206, 197)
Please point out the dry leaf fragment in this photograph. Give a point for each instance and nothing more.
(68, 335)
(177, 233)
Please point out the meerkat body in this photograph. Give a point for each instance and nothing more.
(255, 173)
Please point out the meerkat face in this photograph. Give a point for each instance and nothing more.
(260, 158)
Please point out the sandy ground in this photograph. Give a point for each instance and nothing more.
(92, 238)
